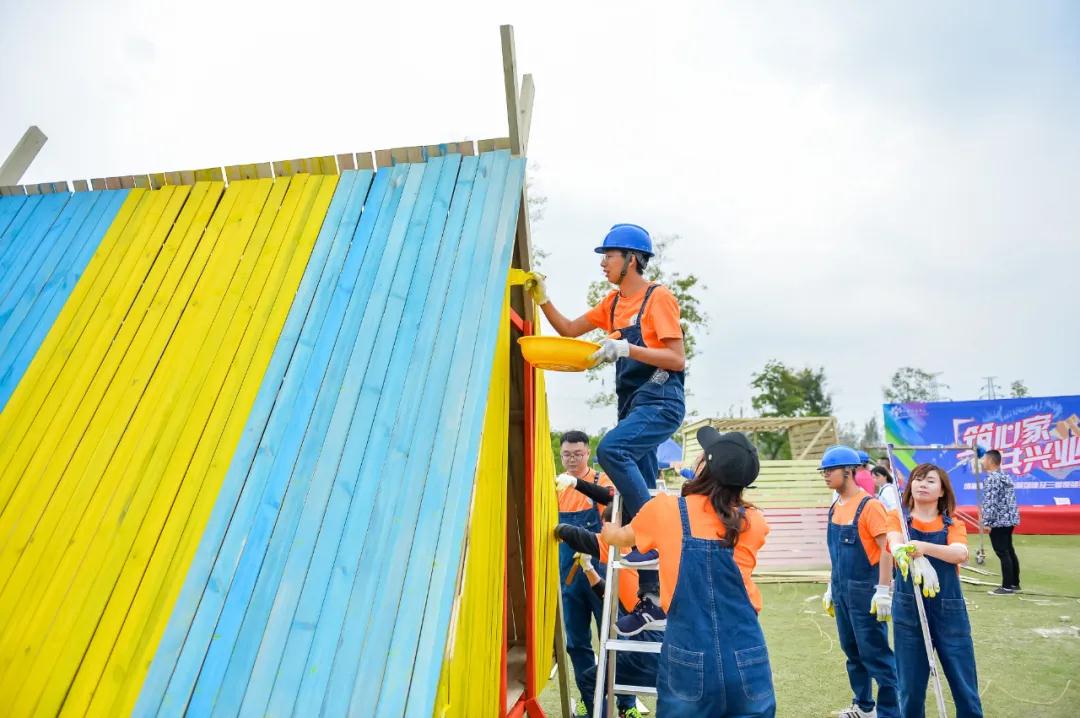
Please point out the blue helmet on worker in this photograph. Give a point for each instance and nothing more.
(839, 455)
(864, 457)
(629, 238)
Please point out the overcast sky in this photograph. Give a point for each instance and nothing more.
(862, 186)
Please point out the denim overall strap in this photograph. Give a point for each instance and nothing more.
(712, 631)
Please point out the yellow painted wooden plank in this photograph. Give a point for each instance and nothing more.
(52, 480)
(50, 619)
(171, 417)
(149, 612)
(59, 505)
(48, 398)
(56, 349)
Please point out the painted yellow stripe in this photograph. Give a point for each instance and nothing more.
(146, 620)
(469, 683)
(132, 436)
(51, 500)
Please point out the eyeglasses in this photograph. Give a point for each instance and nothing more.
(574, 455)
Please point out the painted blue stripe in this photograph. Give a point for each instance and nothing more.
(169, 662)
(305, 488)
(9, 207)
(32, 242)
(354, 351)
(429, 274)
(12, 241)
(414, 589)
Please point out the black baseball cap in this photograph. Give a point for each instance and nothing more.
(730, 457)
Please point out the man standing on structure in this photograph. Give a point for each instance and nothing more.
(645, 341)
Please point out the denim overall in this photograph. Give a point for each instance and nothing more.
(714, 661)
(950, 632)
(651, 409)
(865, 640)
(580, 604)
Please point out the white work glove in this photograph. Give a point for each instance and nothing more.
(564, 482)
(881, 603)
(923, 574)
(536, 287)
(585, 561)
(611, 350)
(826, 602)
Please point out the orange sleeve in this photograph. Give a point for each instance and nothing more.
(874, 518)
(957, 533)
(600, 315)
(892, 522)
(663, 315)
(649, 522)
(751, 539)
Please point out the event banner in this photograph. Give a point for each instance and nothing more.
(1038, 437)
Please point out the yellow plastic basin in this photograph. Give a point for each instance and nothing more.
(558, 353)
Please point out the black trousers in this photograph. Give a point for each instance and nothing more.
(1001, 538)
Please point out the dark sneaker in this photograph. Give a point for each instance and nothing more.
(646, 616)
(636, 559)
(1001, 591)
(1014, 589)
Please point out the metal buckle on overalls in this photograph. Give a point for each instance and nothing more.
(660, 376)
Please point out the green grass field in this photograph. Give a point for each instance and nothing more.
(1020, 672)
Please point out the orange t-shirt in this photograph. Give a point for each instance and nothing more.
(658, 526)
(660, 321)
(628, 578)
(573, 500)
(957, 532)
(872, 522)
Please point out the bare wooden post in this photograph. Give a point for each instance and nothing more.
(22, 156)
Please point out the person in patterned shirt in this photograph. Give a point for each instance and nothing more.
(1000, 515)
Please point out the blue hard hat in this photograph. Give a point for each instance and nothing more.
(629, 237)
(687, 473)
(863, 457)
(839, 455)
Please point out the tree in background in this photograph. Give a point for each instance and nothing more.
(1017, 390)
(537, 207)
(871, 434)
(686, 290)
(909, 384)
(783, 391)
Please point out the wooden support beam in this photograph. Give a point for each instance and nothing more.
(524, 111)
(157, 180)
(12, 191)
(346, 161)
(53, 187)
(99, 183)
(261, 170)
(22, 156)
(81, 186)
(510, 86)
(365, 161)
(494, 143)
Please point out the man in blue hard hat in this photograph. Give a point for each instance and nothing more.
(859, 595)
(645, 342)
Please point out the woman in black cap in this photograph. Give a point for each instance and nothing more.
(714, 661)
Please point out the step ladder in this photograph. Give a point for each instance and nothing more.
(610, 642)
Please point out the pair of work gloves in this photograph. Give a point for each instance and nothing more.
(880, 603)
(922, 574)
(610, 349)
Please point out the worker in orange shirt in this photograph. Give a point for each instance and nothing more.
(582, 490)
(714, 661)
(859, 595)
(645, 341)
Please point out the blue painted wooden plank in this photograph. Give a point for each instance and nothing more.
(9, 207)
(426, 657)
(325, 637)
(30, 338)
(438, 390)
(306, 494)
(411, 540)
(33, 239)
(12, 239)
(357, 358)
(180, 622)
(432, 270)
(56, 246)
(247, 570)
(182, 649)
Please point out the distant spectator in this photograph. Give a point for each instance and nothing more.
(883, 481)
(1001, 516)
(862, 474)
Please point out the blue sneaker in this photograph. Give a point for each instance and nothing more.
(636, 559)
(646, 616)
